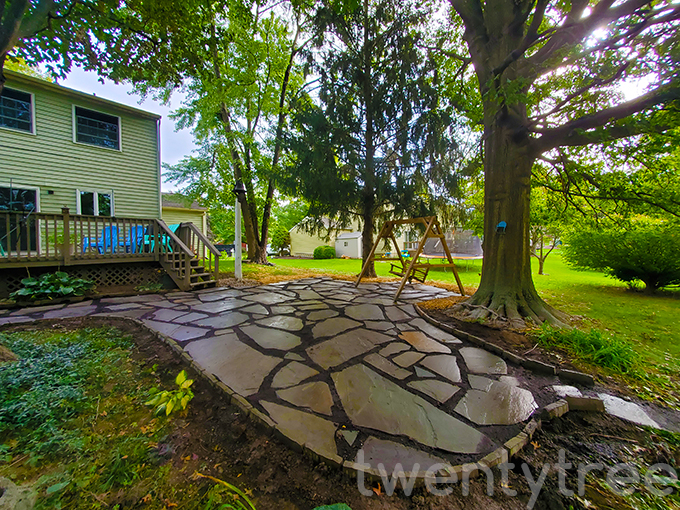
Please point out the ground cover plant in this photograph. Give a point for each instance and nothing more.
(74, 425)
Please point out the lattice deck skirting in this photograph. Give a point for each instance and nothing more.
(104, 276)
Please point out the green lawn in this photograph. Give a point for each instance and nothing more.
(650, 323)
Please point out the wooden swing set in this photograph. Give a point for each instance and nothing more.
(416, 270)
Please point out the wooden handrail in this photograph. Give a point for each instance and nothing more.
(202, 237)
(166, 230)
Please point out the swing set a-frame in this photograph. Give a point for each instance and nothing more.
(413, 269)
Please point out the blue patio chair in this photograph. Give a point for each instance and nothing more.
(150, 239)
(104, 243)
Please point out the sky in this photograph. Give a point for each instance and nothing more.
(175, 145)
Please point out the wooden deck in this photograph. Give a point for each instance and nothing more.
(30, 239)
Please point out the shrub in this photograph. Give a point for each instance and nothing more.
(645, 251)
(324, 252)
(280, 239)
(51, 286)
(603, 350)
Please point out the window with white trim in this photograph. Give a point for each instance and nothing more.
(96, 128)
(94, 203)
(16, 110)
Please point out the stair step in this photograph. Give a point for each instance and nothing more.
(207, 283)
(199, 275)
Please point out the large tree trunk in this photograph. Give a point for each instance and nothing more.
(506, 293)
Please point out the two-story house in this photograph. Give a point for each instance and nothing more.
(80, 185)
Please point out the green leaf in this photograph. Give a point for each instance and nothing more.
(61, 274)
(169, 407)
(186, 384)
(29, 281)
(56, 487)
(181, 377)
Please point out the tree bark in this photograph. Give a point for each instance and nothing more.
(506, 293)
(367, 235)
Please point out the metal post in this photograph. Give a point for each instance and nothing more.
(238, 268)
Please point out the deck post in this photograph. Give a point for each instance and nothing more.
(66, 243)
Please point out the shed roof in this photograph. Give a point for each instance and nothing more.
(177, 201)
(350, 235)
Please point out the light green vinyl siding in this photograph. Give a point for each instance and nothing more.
(50, 160)
(173, 216)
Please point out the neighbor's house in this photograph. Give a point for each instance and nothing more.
(176, 208)
(76, 163)
(346, 241)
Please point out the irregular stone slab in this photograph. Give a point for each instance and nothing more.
(502, 404)
(374, 402)
(321, 306)
(255, 309)
(409, 310)
(166, 315)
(343, 297)
(280, 310)
(220, 306)
(131, 314)
(189, 317)
(314, 395)
(272, 338)
(322, 314)
(35, 309)
(350, 436)
(224, 321)
(479, 383)
(293, 373)
(395, 314)
(308, 294)
(268, 298)
(394, 348)
(217, 296)
(567, 391)
(507, 379)
(389, 456)
(379, 325)
(282, 322)
(438, 390)
(331, 327)
(434, 332)
(421, 372)
(128, 306)
(179, 333)
(76, 311)
(480, 361)
(627, 410)
(338, 350)
(15, 320)
(365, 312)
(423, 343)
(237, 365)
(294, 356)
(407, 359)
(317, 434)
(404, 327)
(386, 366)
(444, 365)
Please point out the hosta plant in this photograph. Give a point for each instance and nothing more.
(52, 286)
(174, 400)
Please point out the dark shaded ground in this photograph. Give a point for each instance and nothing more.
(222, 442)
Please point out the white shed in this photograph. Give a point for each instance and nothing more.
(348, 244)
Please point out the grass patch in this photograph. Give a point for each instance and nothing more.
(74, 427)
(595, 347)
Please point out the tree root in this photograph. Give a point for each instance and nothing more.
(513, 311)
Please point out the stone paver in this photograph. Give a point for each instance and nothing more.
(374, 402)
(627, 410)
(422, 342)
(365, 313)
(497, 404)
(438, 390)
(272, 338)
(480, 361)
(293, 373)
(389, 457)
(384, 365)
(314, 395)
(444, 365)
(334, 326)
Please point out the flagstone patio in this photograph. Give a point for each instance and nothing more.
(338, 368)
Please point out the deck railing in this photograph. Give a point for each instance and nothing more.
(33, 238)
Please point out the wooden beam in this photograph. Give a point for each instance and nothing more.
(421, 244)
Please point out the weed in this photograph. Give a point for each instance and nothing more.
(149, 287)
(169, 401)
(595, 347)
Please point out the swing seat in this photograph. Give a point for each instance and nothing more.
(397, 270)
(419, 274)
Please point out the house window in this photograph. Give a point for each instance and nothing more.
(96, 128)
(17, 231)
(346, 244)
(93, 203)
(16, 110)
